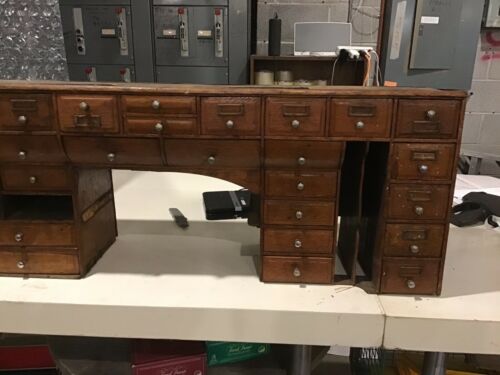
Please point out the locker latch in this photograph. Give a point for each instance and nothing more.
(183, 31)
(122, 30)
(219, 32)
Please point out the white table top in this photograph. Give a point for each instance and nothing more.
(158, 281)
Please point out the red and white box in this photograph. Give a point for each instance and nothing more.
(164, 357)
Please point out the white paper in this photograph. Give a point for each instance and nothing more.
(429, 20)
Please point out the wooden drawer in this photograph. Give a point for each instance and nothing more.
(295, 117)
(418, 202)
(213, 154)
(172, 105)
(88, 114)
(35, 178)
(277, 269)
(161, 125)
(304, 154)
(299, 213)
(26, 112)
(283, 184)
(428, 118)
(296, 241)
(408, 240)
(230, 116)
(416, 161)
(41, 261)
(364, 118)
(26, 148)
(410, 276)
(36, 234)
(113, 151)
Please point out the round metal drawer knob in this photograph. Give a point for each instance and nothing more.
(430, 114)
(22, 155)
(295, 124)
(411, 284)
(423, 168)
(298, 244)
(296, 272)
(211, 160)
(360, 125)
(111, 157)
(414, 249)
(21, 265)
(22, 120)
(301, 160)
(155, 104)
(159, 127)
(300, 186)
(19, 237)
(299, 215)
(32, 180)
(230, 124)
(84, 106)
(419, 210)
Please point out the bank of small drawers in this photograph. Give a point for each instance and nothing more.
(419, 196)
(300, 209)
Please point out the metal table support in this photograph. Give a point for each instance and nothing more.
(434, 364)
(301, 360)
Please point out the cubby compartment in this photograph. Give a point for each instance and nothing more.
(36, 207)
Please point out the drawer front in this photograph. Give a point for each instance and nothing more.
(213, 154)
(290, 241)
(303, 154)
(418, 202)
(172, 105)
(161, 126)
(88, 114)
(299, 213)
(407, 240)
(36, 234)
(410, 276)
(26, 112)
(39, 261)
(35, 178)
(428, 118)
(230, 116)
(31, 149)
(295, 117)
(415, 161)
(297, 270)
(301, 184)
(365, 118)
(113, 151)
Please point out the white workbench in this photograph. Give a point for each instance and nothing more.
(158, 281)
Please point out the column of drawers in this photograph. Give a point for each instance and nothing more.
(418, 195)
(300, 193)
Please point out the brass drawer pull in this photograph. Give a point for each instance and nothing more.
(297, 244)
(32, 180)
(360, 125)
(419, 210)
(295, 124)
(211, 160)
(299, 215)
(22, 120)
(18, 237)
(84, 106)
(155, 104)
(111, 157)
(301, 160)
(159, 127)
(423, 169)
(296, 272)
(21, 265)
(430, 114)
(229, 124)
(22, 155)
(300, 186)
(411, 284)
(414, 249)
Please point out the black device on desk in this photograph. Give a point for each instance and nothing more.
(225, 205)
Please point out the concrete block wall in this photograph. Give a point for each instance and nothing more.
(482, 119)
(364, 15)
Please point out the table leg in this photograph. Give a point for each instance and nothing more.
(301, 360)
(475, 165)
(434, 364)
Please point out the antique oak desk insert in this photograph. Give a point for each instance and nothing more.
(382, 159)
